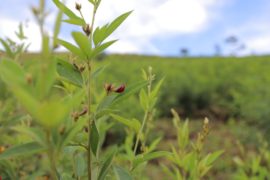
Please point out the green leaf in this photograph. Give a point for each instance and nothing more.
(106, 166)
(94, 139)
(80, 164)
(69, 73)
(143, 99)
(83, 42)
(154, 144)
(105, 103)
(7, 48)
(183, 135)
(211, 157)
(121, 173)
(75, 50)
(46, 77)
(190, 161)
(132, 124)
(154, 93)
(101, 48)
(92, 2)
(23, 149)
(73, 21)
(97, 72)
(101, 34)
(45, 46)
(12, 73)
(72, 132)
(149, 156)
(68, 12)
(35, 133)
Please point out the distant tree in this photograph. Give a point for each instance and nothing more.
(231, 40)
(235, 44)
(184, 52)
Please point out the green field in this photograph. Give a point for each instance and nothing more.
(234, 93)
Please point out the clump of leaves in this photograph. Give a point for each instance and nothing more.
(188, 160)
(253, 165)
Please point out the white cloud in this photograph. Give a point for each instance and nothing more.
(254, 34)
(31, 32)
(150, 19)
(260, 44)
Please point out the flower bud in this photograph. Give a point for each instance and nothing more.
(35, 10)
(78, 6)
(81, 68)
(120, 89)
(87, 29)
(109, 88)
(86, 129)
(83, 112)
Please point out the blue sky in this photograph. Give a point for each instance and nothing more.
(163, 27)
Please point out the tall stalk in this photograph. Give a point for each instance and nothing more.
(51, 156)
(147, 114)
(89, 68)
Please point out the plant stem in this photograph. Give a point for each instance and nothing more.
(89, 164)
(89, 102)
(51, 156)
(140, 133)
(147, 112)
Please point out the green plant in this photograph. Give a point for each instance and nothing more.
(188, 159)
(253, 164)
(67, 113)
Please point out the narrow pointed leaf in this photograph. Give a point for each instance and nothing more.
(75, 50)
(69, 73)
(121, 173)
(83, 42)
(23, 149)
(94, 139)
(106, 166)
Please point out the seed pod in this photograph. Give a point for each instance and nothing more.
(78, 6)
(62, 130)
(120, 89)
(35, 10)
(75, 116)
(87, 29)
(109, 88)
(85, 129)
(81, 68)
(83, 112)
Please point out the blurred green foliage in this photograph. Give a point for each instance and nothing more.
(219, 88)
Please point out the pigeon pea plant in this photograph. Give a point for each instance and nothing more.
(188, 160)
(253, 165)
(70, 124)
(67, 118)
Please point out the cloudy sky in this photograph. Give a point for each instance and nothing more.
(162, 27)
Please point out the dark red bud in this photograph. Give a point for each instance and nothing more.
(120, 89)
(83, 112)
